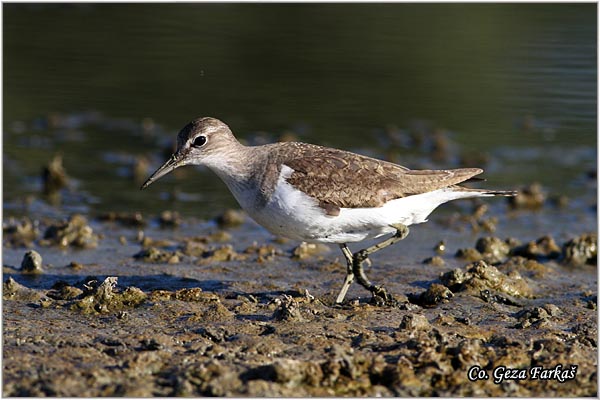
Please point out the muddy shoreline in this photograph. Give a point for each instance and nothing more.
(120, 308)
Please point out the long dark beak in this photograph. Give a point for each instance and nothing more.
(175, 161)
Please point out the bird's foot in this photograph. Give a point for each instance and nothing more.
(381, 297)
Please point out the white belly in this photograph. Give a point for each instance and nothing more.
(293, 214)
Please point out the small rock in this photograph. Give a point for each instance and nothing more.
(75, 265)
(529, 197)
(536, 316)
(61, 290)
(581, 250)
(552, 309)
(469, 254)
(152, 254)
(19, 233)
(480, 276)
(525, 266)
(220, 236)
(435, 294)
(54, 176)
(12, 290)
(493, 249)
(231, 218)
(287, 309)
(103, 298)
(32, 263)
(194, 248)
(415, 322)
(73, 232)
(542, 248)
(126, 219)
(212, 312)
(223, 253)
(306, 250)
(263, 253)
(435, 261)
(169, 219)
(195, 294)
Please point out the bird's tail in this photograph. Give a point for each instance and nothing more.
(486, 192)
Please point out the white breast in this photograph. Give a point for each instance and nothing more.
(293, 214)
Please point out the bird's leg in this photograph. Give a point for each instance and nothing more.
(358, 258)
(349, 274)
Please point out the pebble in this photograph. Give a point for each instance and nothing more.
(415, 322)
(32, 263)
(436, 261)
(231, 218)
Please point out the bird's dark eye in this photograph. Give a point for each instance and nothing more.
(199, 141)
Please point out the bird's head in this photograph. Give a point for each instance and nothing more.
(201, 142)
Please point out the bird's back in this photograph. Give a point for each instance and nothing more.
(342, 179)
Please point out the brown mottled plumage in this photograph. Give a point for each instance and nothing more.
(341, 179)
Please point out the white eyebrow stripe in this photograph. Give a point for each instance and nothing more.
(205, 131)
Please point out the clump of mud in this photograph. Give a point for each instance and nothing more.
(191, 295)
(537, 317)
(231, 218)
(436, 261)
(305, 250)
(263, 253)
(134, 219)
(101, 297)
(221, 253)
(169, 219)
(493, 249)
(578, 251)
(581, 250)
(156, 255)
(434, 295)
(12, 290)
(529, 197)
(19, 233)
(480, 276)
(543, 248)
(54, 176)
(73, 232)
(32, 263)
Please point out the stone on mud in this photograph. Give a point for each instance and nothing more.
(32, 263)
(103, 298)
(493, 249)
(480, 276)
(19, 233)
(73, 232)
(581, 250)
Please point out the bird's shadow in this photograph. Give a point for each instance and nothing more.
(143, 282)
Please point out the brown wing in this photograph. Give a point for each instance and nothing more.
(342, 179)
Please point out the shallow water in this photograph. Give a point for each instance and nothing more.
(102, 84)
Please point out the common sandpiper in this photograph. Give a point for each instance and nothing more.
(317, 194)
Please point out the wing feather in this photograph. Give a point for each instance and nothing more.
(339, 178)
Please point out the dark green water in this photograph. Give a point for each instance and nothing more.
(514, 81)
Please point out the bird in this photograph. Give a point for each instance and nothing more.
(317, 194)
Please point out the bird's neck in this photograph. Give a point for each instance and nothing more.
(234, 164)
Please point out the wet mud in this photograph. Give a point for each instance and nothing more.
(128, 305)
